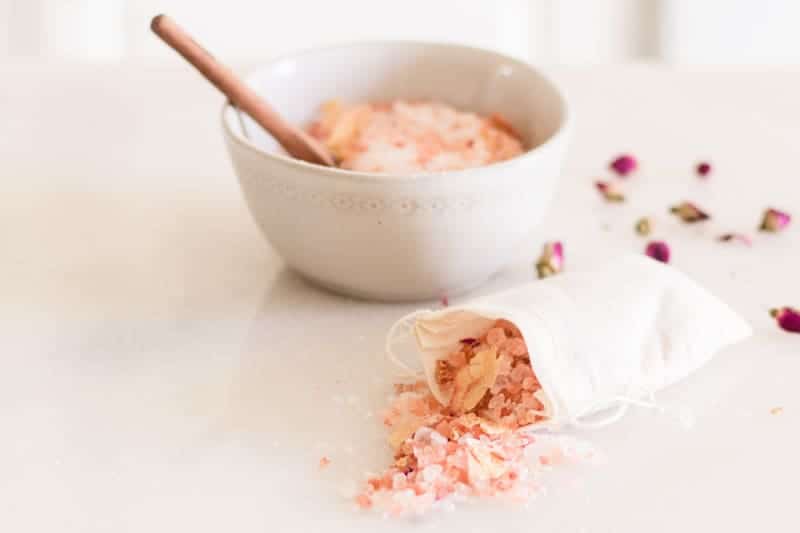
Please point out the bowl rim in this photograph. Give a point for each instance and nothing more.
(335, 172)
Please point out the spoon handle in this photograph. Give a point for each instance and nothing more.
(294, 140)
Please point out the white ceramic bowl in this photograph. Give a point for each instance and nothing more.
(401, 237)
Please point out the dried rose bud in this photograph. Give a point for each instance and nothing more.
(703, 169)
(551, 261)
(688, 212)
(624, 164)
(644, 227)
(788, 318)
(738, 237)
(444, 300)
(658, 250)
(609, 191)
(775, 220)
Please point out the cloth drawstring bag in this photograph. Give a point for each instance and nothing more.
(598, 340)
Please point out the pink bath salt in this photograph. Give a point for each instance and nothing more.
(505, 364)
(495, 336)
(405, 137)
(530, 401)
(363, 501)
(399, 481)
(514, 388)
(497, 401)
(484, 453)
(509, 327)
(521, 373)
(515, 346)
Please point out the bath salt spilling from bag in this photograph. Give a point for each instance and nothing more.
(598, 341)
(543, 355)
(476, 445)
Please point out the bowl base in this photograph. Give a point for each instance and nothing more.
(391, 296)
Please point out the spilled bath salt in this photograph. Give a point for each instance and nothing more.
(480, 444)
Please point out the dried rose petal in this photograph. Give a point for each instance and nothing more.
(551, 261)
(703, 169)
(688, 212)
(643, 227)
(788, 318)
(609, 192)
(658, 250)
(775, 220)
(444, 300)
(738, 237)
(624, 164)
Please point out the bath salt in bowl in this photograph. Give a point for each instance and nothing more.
(405, 231)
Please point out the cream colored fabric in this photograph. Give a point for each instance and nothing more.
(595, 338)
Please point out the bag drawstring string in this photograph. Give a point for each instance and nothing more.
(684, 416)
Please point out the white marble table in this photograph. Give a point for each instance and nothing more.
(160, 370)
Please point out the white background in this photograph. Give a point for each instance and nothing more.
(545, 31)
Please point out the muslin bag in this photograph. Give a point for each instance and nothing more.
(598, 340)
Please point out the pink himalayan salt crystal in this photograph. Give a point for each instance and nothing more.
(624, 164)
(447, 456)
(788, 319)
(363, 501)
(609, 191)
(703, 169)
(512, 368)
(495, 336)
(775, 220)
(551, 262)
(411, 137)
(487, 466)
(689, 212)
(515, 346)
(658, 250)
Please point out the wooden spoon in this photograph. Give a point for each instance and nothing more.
(294, 140)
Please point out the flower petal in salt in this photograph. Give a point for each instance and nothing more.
(643, 227)
(788, 319)
(775, 220)
(609, 191)
(737, 237)
(551, 261)
(624, 164)
(658, 250)
(688, 212)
